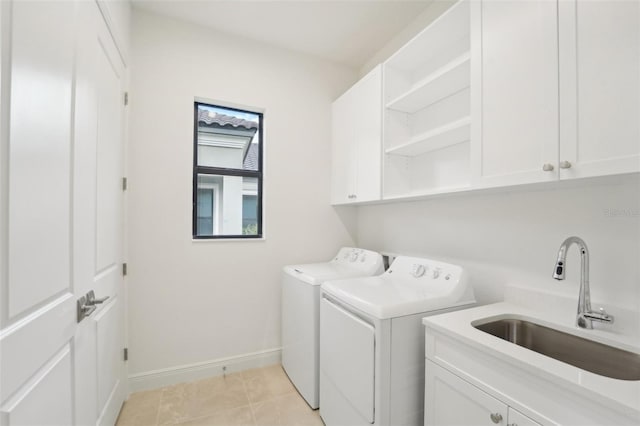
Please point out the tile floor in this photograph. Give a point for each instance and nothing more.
(262, 396)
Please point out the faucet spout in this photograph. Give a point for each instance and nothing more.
(585, 315)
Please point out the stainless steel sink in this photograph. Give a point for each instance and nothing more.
(582, 353)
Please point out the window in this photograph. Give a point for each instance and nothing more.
(227, 172)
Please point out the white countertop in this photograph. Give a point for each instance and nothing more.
(621, 395)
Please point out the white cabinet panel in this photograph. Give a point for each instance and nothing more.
(450, 400)
(516, 418)
(343, 151)
(600, 87)
(356, 141)
(560, 90)
(519, 92)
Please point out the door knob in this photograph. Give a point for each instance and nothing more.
(496, 417)
(92, 301)
(547, 167)
(82, 309)
(565, 165)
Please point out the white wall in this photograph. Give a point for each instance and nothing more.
(513, 236)
(421, 21)
(192, 301)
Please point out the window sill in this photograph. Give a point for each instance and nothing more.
(209, 240)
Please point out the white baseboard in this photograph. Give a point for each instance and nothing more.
(202, 370)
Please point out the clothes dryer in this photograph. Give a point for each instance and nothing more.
(372, 340)
(301, 311)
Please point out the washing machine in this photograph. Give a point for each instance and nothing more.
(301, 312)
(372, 340)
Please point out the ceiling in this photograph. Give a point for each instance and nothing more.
(346, 31)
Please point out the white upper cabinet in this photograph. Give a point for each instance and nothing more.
(517, 134)
(560, 91)
(356, 139)
(599, 88)
(426, 109)
(495, 94)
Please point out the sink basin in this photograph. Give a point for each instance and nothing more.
(592, 356)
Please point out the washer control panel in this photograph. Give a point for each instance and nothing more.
(358, 258)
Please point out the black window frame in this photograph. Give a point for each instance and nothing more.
(223, 171)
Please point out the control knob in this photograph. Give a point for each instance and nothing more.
(418, 270)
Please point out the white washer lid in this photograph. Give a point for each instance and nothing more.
(317, 273)
(408, 287)
(349, 262)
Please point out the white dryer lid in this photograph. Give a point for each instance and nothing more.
(410, 286)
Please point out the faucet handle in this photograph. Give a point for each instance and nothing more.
(601, 315)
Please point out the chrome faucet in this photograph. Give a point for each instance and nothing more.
(585, 315)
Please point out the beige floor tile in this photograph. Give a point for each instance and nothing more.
(215, 394)
(286, 410)
(263, 396)
(240, 416)
(267, 383)
(141, 409)
(174, 403)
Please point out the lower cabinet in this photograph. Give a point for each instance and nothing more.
(451, 400)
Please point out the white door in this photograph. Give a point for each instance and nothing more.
(60, 221)
(600, 87)
(98, 225)
(519, 142)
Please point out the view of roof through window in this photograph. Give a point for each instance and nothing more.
(239, 126)
(227, 175)
(213, 111)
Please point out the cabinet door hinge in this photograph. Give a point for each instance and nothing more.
(124, 183)
(124, 269)
(126, 354)
(126, 98)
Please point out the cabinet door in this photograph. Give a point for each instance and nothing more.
(599, 87)
(343, 170)
(516, 418)
(449, 400)
(367, 112)
(356, 143)
(519, 102)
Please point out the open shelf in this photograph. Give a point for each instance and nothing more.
(443, 136)
(428, 192)
(427, 114)
(440, 84)
(452, 25)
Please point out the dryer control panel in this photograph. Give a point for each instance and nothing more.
(426, 270)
